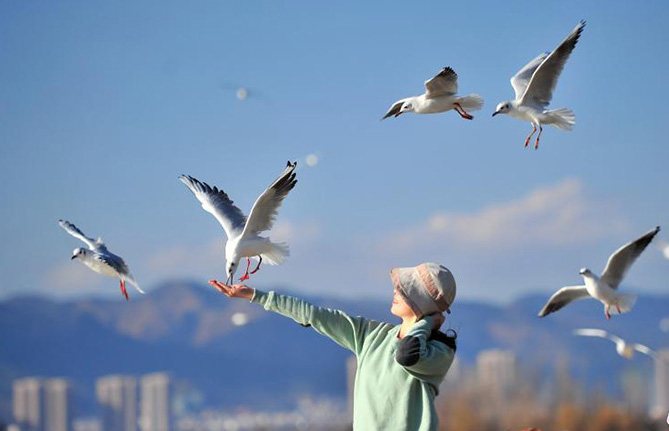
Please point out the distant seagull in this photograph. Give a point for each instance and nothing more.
(664, 248)
(440, 96)
(624, 349)
(604, 288)
(242, 232)
(534, 85)
(100, 259)
(242, 93)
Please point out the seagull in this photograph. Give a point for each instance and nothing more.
(100, 259)
(242, 231)
(624, 349)
(534, 85)
(663, 246)
(604, 288)
(440, 96)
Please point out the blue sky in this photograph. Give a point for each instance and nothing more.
(103, 105)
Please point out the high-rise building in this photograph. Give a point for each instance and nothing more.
(117, 398)
(154, 401)
(661, 402)
(496, 369)
(57, 405)
(27, 404)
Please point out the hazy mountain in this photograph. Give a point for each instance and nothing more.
(186, 330)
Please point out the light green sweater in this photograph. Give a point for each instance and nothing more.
(387, 396)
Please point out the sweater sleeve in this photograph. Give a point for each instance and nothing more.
(347, 331)
(420, 356)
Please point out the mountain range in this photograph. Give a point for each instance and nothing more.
(187, 330)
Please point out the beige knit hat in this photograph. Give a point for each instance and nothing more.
(427, 288)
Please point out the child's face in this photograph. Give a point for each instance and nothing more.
(400, 308)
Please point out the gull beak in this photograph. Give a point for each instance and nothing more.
(495, 113)
(74, 256)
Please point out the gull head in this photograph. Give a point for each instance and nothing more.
(230, 270)
(78, 253)
(585, 272)
(503, 108)
(406, 107)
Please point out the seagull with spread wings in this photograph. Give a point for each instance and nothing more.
(624, 349)
(440, 96)
(243, 232)
(100, 259)
(604, 288)
(534, 85)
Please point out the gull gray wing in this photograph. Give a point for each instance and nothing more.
(442, 84)
(75, 232)
(520, 80)
(645, 350)
(563, 297)
(266, 207)
(217, 203)
(623, 258)
(544, 79)
(395, 109)
(588, 332)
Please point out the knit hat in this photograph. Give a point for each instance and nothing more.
(427, 288)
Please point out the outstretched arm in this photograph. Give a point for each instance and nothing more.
(419, 356)
(345, 330)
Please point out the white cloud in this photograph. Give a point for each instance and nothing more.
(557, 215)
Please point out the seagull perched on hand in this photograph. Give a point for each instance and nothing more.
(440, 96)
(624, 349)
(100, 259)
(534, 85)
(242, 231)
(604, 288)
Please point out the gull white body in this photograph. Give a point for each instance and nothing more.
(604, 288)
(244, 240)
(100, 259)
(623, 348)
(440, 96)
(534, 85)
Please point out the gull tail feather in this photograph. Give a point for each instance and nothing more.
(275, 253)
(625, 302)
(130, 279)
(562, 118)
(471, 102)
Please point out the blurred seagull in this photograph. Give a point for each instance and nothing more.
(604, 288)
(440, 96)
(664, 248)
(242, 232)
(100, 259)
(534, 85)
(624, 349)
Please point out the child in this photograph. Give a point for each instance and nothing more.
(400, 367)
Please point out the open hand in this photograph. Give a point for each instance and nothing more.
(234, 291)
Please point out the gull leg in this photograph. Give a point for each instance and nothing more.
(536, 144)
(124, 291)
(606, 312)
(618, 308)
(257, 267)
(462, 112)
(246, 274)
(534, 129)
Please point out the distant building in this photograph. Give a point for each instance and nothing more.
(155, 397)
(86, 424)
(27, 404)
(42, 405)
(661, 402)
(57, 405)
(496, 369)
(117, 398)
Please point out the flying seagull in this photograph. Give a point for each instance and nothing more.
(604, 288)
(100, 259)
(440, 96)
(243, 232)
(534, 85)
(624, 349)
(663, 246)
